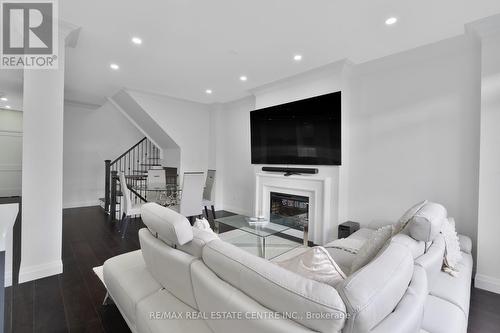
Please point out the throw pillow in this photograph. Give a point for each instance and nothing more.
(407, 216)
(371, 247)
(315, 264)
(452, 254)
(202, 224)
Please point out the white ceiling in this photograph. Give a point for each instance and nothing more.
(189, 46)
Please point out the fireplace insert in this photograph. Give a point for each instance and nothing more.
(290, 210)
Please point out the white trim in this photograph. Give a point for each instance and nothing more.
(11, 133)
(78, 204)
(488, 283)
(35, 272)
(10, 167)
(318, 72)
(316, 188)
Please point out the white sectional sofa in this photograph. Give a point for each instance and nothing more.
(187, 280)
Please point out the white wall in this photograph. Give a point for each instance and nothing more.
(187, 123)
(488, 248)
(11, 152)
(91, 136)
(235, 177)
(42, 188)
(415, 133)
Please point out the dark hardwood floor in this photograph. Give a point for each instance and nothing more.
(71, 302)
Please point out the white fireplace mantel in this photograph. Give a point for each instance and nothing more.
(316, 188)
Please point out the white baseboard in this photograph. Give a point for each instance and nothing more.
(487, 283)
(81, 204)
(35, 272)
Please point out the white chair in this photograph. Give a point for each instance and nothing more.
(128, 208)
(192, 194)
(156, 180)
(207, 193)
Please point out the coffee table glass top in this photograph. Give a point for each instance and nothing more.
(260, 229)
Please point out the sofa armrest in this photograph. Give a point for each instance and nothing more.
(465, 244)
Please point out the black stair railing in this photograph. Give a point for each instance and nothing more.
(134, 163)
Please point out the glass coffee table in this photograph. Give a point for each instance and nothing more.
(267, 238)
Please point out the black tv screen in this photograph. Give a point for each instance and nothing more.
(305, 132)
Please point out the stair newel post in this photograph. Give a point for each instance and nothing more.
(114, 183)
(107, 181)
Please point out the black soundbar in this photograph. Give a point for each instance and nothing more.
(291, 171)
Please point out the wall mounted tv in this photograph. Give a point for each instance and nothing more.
(305, 132)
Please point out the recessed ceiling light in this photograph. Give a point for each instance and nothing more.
(208, 91)
(136, 40)
(114, 67)
(4, 99)
(243, 78)
(7, 106)
(297, 57)
(391, 20)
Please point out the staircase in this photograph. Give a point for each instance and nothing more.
(134, 163)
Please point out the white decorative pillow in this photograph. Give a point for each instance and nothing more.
(371, 247)
(452, 254)
(202, 224)
(315, 264)
(407, 216)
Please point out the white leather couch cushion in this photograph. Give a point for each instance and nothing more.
(408, 315)
(200, 239)
(432, 259)
(171, 227)
(275, 287)
(425, 225)
(455, 289)
(163, 302)
(128, 281)
(214, 295)
(373, 292)
(170, 267)
(417, 248)
(440, 316)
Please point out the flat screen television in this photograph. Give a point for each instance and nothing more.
(304, 132)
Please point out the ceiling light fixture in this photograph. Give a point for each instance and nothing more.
(114, 67)
(243, 78)
(7, 106)
(391, 20)
(4, 99)
(297, 57)
(208, 91)
(136, 40)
